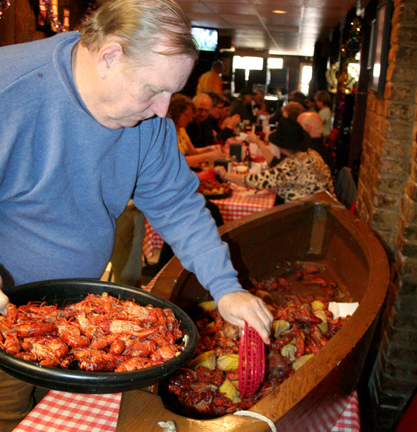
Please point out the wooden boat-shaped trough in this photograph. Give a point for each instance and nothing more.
(319, 230)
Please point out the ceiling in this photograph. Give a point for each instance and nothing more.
(251, 23)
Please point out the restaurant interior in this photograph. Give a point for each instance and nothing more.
(364, 53)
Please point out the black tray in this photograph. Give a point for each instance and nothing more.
(219, 196)
(67, 291)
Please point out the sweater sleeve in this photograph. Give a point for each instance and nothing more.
(273, 178)
(166, 193)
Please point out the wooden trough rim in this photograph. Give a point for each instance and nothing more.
(282, 400)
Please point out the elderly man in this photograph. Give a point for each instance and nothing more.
(228, 125)
(83, 129)
(199, 129)
(312, 124)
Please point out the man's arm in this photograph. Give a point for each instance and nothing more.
(166, 193)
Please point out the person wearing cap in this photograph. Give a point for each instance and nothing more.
(300, 174)
(241, 105)
(212, 78)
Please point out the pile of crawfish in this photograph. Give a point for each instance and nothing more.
(208, 386)
(100, 333)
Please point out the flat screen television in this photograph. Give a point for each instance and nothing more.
(206, 38)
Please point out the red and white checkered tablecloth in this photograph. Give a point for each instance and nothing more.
(73, 412)
(350, 418)
(232, 208)
(151, 240)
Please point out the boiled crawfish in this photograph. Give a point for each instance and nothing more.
(100, 333)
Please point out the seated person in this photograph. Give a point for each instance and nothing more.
(181, 111)
(294, 96)
(258, 105)
(227, 128)
(225, 113)
(302, 173)
(242, 105)
(313, 125)
(199, 131)
(311, 102)
(292, 110)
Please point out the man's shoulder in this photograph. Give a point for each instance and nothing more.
(21, 59)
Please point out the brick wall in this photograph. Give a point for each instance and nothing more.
(387, 202)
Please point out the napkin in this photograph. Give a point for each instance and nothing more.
(342, 309)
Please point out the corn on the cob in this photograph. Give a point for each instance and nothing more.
(230, 391)
(301, 360)
(207, 359)
(207, 306)
(280, 326)
(317, 305)
(289, 351)
(323, 326)
(228, 361)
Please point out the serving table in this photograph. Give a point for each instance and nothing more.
(73, 412)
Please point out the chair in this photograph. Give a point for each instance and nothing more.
(345, 188)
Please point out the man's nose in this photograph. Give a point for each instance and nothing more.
(161, 104)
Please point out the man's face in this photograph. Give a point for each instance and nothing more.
(216, 111)
(130, 96)
(202, 109)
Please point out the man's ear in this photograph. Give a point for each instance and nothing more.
(109, 55)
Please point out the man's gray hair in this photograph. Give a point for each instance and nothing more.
(142, 27)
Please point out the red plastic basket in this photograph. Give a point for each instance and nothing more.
(251, 362)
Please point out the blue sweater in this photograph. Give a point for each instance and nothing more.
(65, 178)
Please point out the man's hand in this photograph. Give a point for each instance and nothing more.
(4, 300)
(231, 122)
(238, 307)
